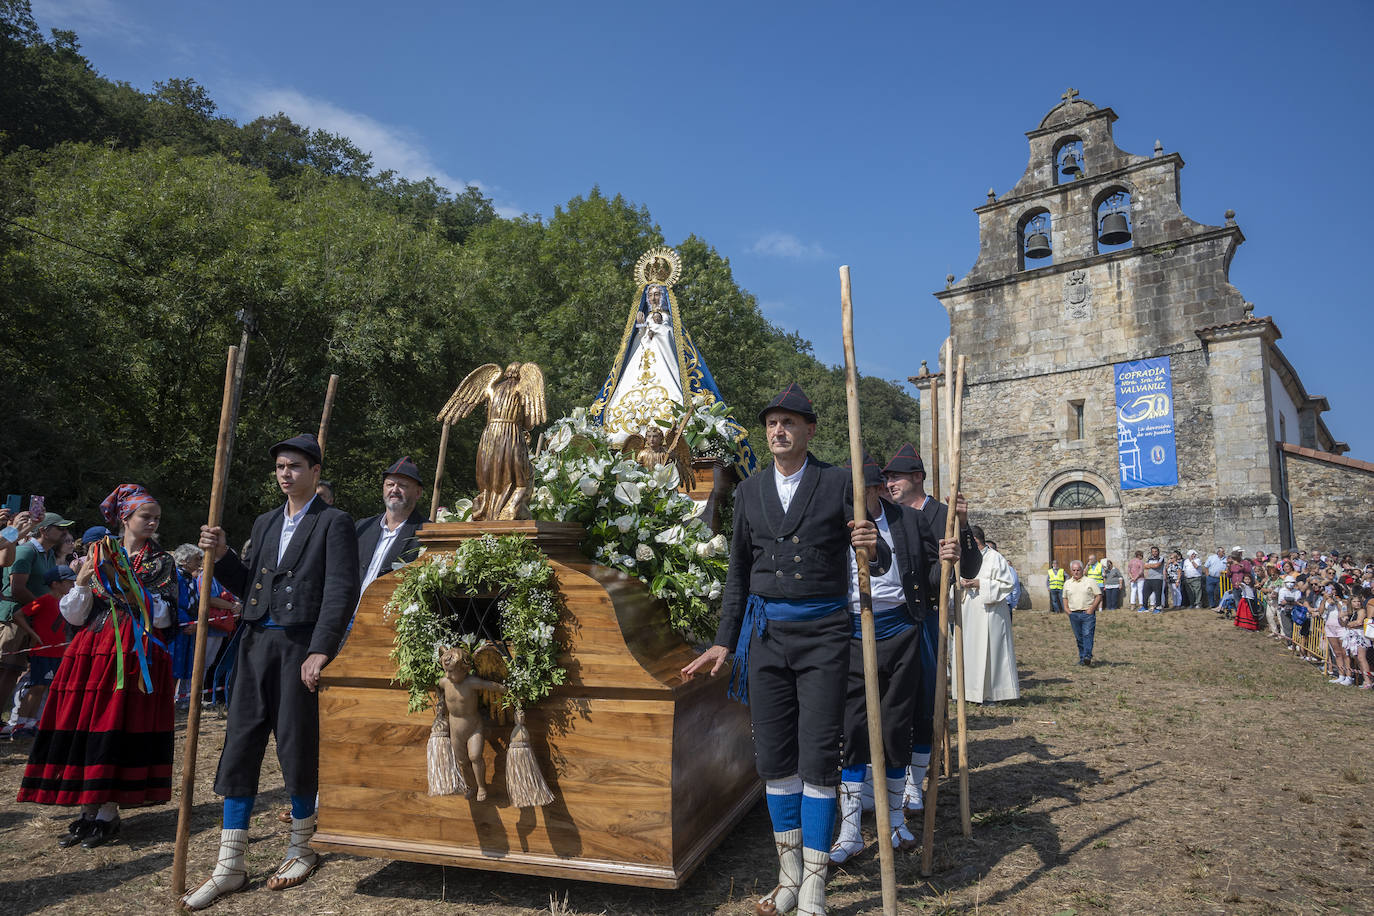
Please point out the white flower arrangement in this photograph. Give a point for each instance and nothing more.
(636, 520)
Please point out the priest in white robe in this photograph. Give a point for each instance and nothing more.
(989, 653)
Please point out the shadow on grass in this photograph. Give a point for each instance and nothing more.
(1010, 814)
(140, 829)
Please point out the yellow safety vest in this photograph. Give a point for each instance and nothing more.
(1095, 572)
(1057, 578)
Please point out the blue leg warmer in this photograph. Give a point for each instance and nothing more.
(237, 810)
(818, 807)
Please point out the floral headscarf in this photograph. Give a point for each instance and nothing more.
(123, 502)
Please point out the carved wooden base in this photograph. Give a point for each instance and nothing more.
(649, 773)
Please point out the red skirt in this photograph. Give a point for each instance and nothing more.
(97, 744)
(1245, 617)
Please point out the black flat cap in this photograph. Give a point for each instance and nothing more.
(873, 475)
(305, 443)
(404, 468)
(906, 461)
(791, 398)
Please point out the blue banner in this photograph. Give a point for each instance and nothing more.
(1145, 424)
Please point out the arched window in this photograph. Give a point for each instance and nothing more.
(1115, 228)
(1068, 160)
(1078, 494)
(1034, 237)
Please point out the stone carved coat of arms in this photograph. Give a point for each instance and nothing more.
(1078, 296)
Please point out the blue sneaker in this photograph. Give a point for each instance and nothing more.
(1157, 611)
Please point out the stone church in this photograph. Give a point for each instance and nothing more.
(1090, 279)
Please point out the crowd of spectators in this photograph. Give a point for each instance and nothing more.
(41, 559)
(1283, 595)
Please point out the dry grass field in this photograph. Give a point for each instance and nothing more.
(1197, 769)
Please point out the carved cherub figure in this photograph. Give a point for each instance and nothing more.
(652, 451)
(457, 697)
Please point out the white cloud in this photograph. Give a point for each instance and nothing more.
(88, 17)
(786, 245)
(391, 147)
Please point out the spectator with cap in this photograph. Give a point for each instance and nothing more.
(49, 635)
(388, 541)
(301, 584)
(22, 583)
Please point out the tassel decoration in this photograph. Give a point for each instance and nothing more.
(445, 777)
(525, 785)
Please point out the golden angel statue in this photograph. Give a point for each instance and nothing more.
(652, 451)
(515, 404)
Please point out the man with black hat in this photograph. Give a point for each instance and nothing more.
(388, 540)
(906, 483)
(902, 598)
(785, 610)
(301, 586)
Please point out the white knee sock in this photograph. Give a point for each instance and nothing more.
(230, 873)
(850, 842)
(811, 898)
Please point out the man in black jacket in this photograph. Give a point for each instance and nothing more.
(903, 598)
(785, 612)
(389, 540)
(905, 476)
(300, 586)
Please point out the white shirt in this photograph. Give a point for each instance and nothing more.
(374, 568)
(288, 527)
(1191, 569)
(886, 589)
(787, 485)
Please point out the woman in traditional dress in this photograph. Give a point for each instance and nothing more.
(105, 739)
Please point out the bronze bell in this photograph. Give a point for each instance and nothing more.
(1115, 231)
(1038, 246)
(1070, 166)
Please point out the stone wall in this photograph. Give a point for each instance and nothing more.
(1332, 499)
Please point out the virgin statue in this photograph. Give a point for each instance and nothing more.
(658, 368)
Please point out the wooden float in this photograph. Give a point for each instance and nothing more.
(649, 772)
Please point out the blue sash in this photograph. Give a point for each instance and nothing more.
(757, 612)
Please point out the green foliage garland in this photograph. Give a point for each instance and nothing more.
(513, 568)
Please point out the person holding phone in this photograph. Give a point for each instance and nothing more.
(22, 583)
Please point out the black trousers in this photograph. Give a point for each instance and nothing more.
(899, 686)
(797, 685)
(268, 698)
(1155, 588)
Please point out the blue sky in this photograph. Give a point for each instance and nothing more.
(798, 136)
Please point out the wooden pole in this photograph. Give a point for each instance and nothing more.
(439, 470)
(886, 859)
(933, 491)
(328, 410)
(941, 718)
(227, 419)
(933, 488)
(956, 395)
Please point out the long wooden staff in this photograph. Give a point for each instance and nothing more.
(957, 431)
(941, 747)
(439, 470)
(886, 860)
(328, 410)
(941, 718)
(228, 414)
